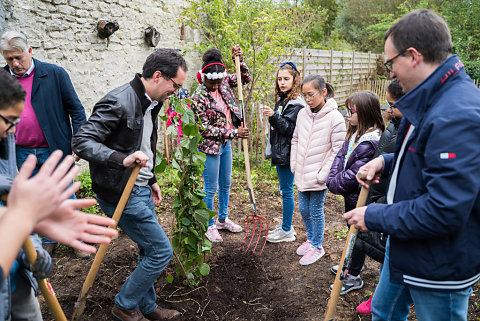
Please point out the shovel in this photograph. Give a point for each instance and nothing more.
(82, 298)
(44, 284)
(255, 217)
(346, 254)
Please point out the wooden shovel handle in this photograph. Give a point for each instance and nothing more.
(347, 251)
(80, 304)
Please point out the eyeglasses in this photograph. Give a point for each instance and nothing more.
(310, 97)
(350, 112)
(389, 62)
(10, 123)
(390, 105)
(175, 85)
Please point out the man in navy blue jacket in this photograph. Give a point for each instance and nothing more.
(433, 210)
(53, 112)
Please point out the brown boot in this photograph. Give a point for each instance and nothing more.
(162, 314)
(125, 315)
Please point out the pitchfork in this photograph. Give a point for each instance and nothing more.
(255, 217)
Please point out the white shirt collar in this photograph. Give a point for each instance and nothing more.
(153, 103)
(29, 71)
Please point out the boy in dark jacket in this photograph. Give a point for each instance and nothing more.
(432, 214)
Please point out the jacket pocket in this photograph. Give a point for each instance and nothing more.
(134, 123)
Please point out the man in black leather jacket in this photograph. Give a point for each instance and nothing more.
(121, 131)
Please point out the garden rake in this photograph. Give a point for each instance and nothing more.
(82, 298)
(254, 217)
(346, 254)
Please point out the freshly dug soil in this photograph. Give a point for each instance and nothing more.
(241, 285)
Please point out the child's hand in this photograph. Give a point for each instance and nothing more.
(242, 132)
(267, 111)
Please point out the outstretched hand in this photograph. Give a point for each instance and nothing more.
(69, 226)
(39, 196)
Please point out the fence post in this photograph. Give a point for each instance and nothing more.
(368, 74)
(304, 61)
(331, 66)
(351, 76)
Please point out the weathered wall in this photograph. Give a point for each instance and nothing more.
(64, 32)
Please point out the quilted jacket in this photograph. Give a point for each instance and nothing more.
(316, 140)
(341, 179)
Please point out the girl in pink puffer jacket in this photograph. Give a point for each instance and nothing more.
(319, 135)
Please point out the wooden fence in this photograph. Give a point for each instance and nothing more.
(346, 71)
(343, 69)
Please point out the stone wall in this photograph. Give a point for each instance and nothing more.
(64, 32)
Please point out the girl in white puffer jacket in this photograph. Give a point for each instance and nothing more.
(319, 134)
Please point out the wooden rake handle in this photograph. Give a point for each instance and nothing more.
(44, 284)
(347, 252)
(80, 304)
(244, 141)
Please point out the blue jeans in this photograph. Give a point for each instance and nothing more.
(140, 223)
(285, 179)
(311, 209)
(42, 155)
(218, 174)
(392, 301)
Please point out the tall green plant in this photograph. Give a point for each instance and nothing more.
(191, 215)
(264, 29)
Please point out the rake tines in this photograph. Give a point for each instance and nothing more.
(255, 217)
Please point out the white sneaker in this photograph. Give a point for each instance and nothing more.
(279, 227)
(279, 235)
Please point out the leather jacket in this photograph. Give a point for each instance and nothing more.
(114, 131)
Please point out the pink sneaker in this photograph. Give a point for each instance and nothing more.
(313, 255)
(228, 225)
(213, 235)
(365, 307)
(302, 249)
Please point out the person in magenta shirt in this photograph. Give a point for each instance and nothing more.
(52, 112)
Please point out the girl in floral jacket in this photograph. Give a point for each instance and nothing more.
(219, 120)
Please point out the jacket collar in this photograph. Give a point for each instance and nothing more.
(416, 102)
(139, 89)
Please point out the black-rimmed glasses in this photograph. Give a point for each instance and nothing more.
(389, 62)
(10, 123)
(175, 85)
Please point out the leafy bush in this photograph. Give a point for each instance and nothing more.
(191, 215)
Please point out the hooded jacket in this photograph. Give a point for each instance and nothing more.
(341, 179)
(282, 126)
(434, 220)
(316, 140)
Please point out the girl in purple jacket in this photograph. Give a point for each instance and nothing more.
(365, 126)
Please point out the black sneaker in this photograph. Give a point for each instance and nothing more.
(349, 284)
